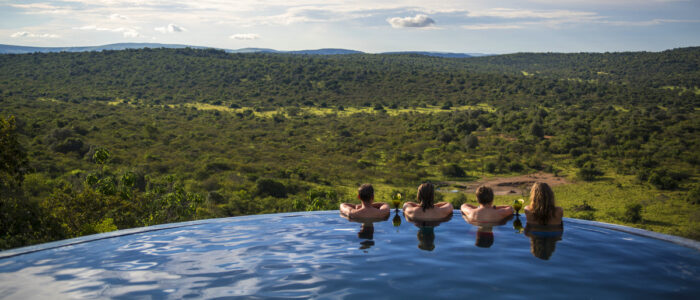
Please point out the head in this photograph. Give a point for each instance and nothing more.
(542, 202)
(426, 195)
(484, 239)
(542, 248)
(366, 193)
(426, 238)
(484, 195)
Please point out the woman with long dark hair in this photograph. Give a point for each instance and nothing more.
(426, 209)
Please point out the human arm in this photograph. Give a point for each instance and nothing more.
(409, 204)
(445, 207)
(347, 208)
(505, 210)
(467, 209)
(384, 208)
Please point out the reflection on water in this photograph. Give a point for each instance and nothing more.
(426, 232)
(396, 221)
(517, 224)
(484, 230)
(426, 238)
(366, 233)
(315, 255)
(543, 239)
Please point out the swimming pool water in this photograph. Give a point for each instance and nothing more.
(322, 255)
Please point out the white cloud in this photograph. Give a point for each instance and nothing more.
(125, 31)
(171, 28)
(118, 17)
(25, 34)
(491, 26)
(245, 36)
(419, 20)
(508, 13)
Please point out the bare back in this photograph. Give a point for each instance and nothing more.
(486, 213)
(438, 212)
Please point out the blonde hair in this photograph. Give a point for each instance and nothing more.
(542, 202)
(542, 248)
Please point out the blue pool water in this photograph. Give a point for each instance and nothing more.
(322, 255)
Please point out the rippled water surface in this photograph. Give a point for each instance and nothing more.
(323, 255)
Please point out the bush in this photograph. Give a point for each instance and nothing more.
(270, 187)
(215, 198)
(491, 167)
(69, 145)
(633, 213)
(693, 195)
(663, 180)
(453, 170)
(516, 167)
(472, 142)
(589, 172)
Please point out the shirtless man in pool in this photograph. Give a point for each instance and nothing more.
(367, 209)
(486, 212)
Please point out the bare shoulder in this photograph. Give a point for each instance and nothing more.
(559, 210)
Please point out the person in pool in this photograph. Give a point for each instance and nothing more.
(542, 209)
(426, 210)
(367, 209)
(486, 212)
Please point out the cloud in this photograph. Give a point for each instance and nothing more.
(125, 31)
(245, 36)
(648, 22)
(417, 21)
(171, 28)
(509, 13)
(118, 17)
(25, 34)
(491, 26)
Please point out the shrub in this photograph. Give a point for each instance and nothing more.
(589, 172)
(270, 187)
(633, 213)
(453, 170)
(693, 195)
(472, 142)
(491, 167)
(516, 167)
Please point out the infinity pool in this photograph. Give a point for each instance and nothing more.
(322, 255)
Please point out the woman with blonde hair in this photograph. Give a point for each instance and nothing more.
(542, 209)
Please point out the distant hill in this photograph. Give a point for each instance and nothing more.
(436, 54)
(12, 49)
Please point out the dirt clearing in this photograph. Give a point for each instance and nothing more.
(508, 185)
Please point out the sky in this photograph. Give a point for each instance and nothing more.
(478, 26)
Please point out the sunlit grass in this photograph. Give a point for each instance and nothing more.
(323, 111)
(681, 90)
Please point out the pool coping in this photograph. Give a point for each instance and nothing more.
(688, 243)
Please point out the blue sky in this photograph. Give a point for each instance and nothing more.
(489, 26)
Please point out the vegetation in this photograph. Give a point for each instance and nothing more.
(98, 141)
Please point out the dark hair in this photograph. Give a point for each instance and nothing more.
(484, 195)
(542, 202)
(366, 192)
(426, 195)
(484, 239)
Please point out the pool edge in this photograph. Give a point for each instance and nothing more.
(685, 242)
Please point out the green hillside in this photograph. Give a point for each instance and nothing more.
(99, 141)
